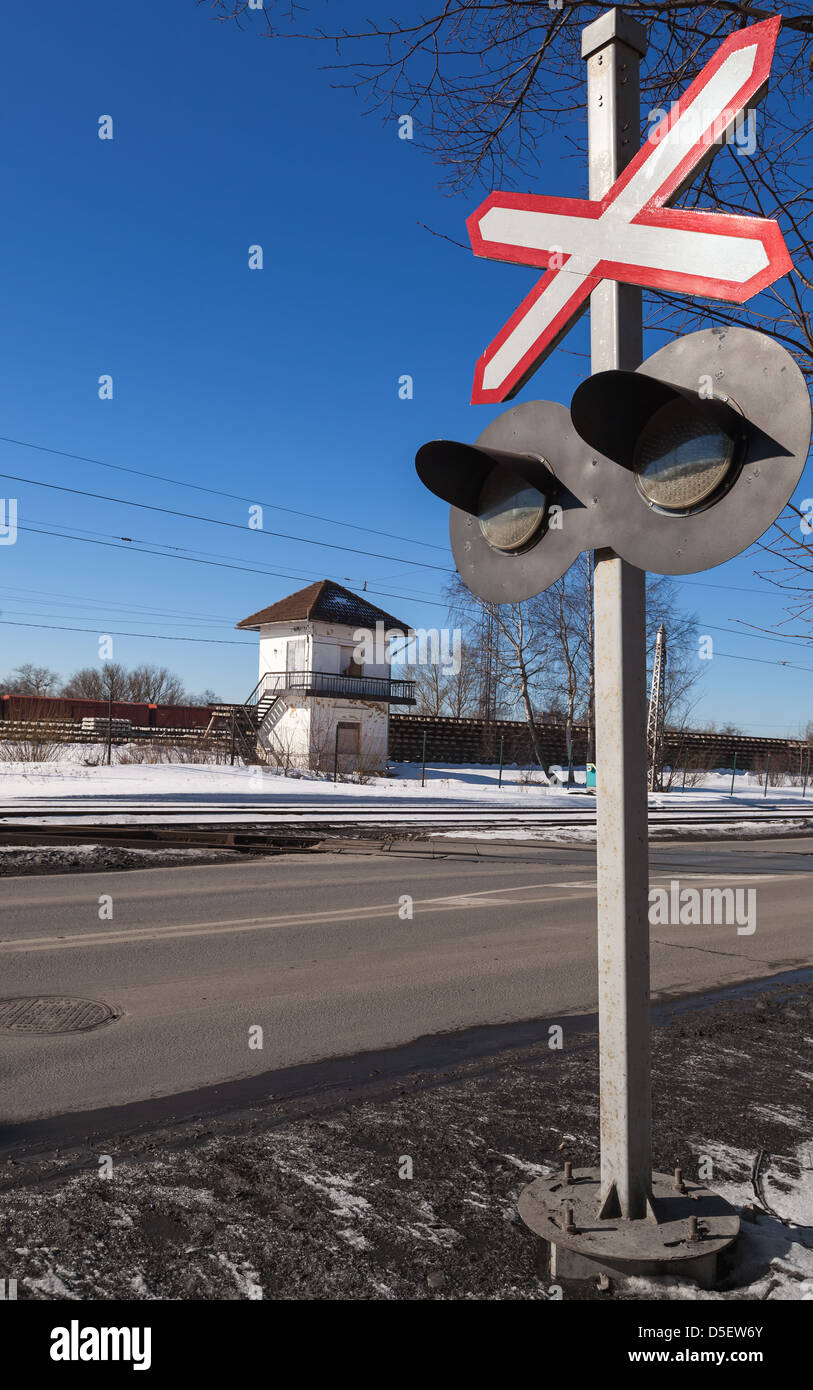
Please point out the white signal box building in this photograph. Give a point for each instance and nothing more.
(325, 686)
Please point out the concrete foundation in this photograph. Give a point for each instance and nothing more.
(683, 1234)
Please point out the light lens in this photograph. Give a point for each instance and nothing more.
(682, 458)
(510, 510)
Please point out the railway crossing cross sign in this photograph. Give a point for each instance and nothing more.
(631, 234)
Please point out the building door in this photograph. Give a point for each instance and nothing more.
(296, 655)
(348, 746)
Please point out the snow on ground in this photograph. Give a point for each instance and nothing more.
(586, 835)
(468, 785)
(774, 1258)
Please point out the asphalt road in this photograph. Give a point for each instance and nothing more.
(313, 949)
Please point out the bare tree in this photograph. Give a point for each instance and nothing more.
(547, 648)
(99, 682)
(790, 541)
(446, 691)
(206, 697)
(566, 666)
(522, 658)
(155, 685)
(489, 83)
(32, 680)
(143, 685)
(463, 685)
(431, 686)
(684, 669)
(565, 617)
(520, 648)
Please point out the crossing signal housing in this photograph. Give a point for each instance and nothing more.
(515, 524)
(709, 436)
(677, 467)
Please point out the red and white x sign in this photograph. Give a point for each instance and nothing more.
(631, 234)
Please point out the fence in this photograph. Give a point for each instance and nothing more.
(447, 740)
(68, 731)
(478, 741)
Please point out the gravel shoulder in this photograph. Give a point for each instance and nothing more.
(405, 1186)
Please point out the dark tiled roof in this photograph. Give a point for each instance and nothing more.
(325, 602)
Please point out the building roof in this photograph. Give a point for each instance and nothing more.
(324, 602)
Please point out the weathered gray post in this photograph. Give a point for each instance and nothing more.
(613, 46)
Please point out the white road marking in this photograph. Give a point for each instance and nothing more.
(485, 898)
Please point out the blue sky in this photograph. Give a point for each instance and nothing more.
(129, 257)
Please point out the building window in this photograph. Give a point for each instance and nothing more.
(349, 665)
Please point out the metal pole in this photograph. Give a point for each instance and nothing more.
(613, 45)
(807, 771)
(109, 725)
(767, 775)
(685, 770)
(336, 755)
(502, 740)
(423, 761)
(733, 775)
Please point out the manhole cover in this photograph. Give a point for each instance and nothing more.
(53, 1014)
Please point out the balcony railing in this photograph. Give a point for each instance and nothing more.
(393, 692)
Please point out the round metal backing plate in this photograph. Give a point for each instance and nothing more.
(54, 1013)
(543, 427)
(761, 377)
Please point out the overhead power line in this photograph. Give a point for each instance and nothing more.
(762, 661)
(14, 594)
(731, 588)
(159, 636)
(285, 573)
(755, 636)
(117, 617)
(217, 492)
(135, 548)
(216, 521)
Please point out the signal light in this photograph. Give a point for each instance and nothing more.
(681, 460)
(677, 467)
(515, 526)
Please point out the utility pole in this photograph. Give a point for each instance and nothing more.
(489, 639)
(109, 724)
(613, 46)
(655, 717)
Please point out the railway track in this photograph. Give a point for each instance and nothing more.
(272, 828)
(389, 813)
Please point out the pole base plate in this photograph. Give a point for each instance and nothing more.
(665, 1242)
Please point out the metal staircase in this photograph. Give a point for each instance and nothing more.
(258, 714)
(249, 724)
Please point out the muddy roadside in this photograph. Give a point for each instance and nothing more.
(406, 1187)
